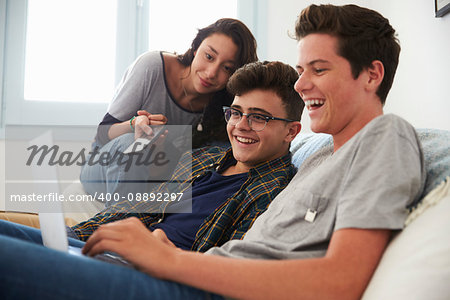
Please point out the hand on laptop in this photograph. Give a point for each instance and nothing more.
(129, 238)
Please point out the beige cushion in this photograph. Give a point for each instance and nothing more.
(29, 219)
(416, 264)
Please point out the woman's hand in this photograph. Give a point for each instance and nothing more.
(148, 251)
(144, 119)
(155, 119)
(141, 126)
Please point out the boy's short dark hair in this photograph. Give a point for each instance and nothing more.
(363, 35)
(274, 76)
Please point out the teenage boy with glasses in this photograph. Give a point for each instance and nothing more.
(228, 188)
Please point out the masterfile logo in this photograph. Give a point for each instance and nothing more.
(42, 162)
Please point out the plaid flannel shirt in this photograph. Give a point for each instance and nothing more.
(229, 221)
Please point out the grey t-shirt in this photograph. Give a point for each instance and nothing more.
(144, 87)
(367, 183)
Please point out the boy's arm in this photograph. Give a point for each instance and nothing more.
(343, 273)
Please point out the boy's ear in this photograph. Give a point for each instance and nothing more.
(375, 75)
(294, 129)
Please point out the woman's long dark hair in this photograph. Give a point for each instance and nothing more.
(214, 126)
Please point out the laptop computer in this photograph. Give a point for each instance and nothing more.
(54, 236)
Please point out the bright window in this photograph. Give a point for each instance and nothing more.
(70, 50)
(64, 58)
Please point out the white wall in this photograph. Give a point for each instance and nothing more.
(420, 93)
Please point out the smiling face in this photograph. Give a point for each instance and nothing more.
(250, 147)
(213, 64)
(337, 103)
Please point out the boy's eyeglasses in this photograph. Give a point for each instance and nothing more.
(256, 121)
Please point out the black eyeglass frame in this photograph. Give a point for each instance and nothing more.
(267, 118)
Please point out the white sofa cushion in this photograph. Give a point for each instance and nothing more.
(416, 264)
